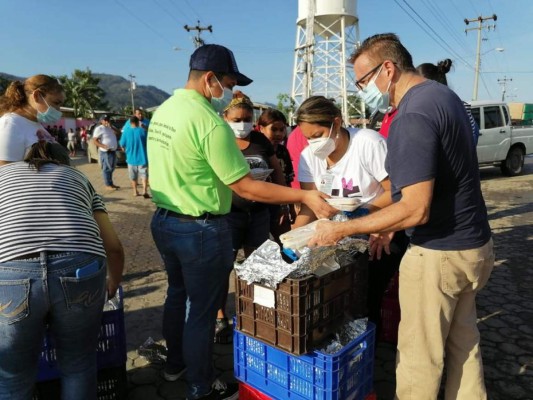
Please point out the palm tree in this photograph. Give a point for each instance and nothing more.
(83, 93)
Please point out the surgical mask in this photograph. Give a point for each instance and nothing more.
(373, 98)
(220, 103)
(241, 129)
(322, 147)
(49, 116)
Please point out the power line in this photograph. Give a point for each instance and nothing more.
(442, 18)
(181, 11)
(167, 12)
(142, 22)
(442, 42)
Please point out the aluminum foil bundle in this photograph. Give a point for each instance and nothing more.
(267, 267)
(314, 258)
(348, 332)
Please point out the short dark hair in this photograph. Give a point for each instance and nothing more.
(195, 74)
(134, 120)
(385, 46)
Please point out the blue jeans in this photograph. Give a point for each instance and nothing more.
(198, 259)
(108, 161)
(249, 229)
(43, 290)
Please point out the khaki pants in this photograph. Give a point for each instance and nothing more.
(438, 302)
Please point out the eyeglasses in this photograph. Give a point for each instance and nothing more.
(368, 75)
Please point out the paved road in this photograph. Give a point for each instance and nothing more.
(505, 306)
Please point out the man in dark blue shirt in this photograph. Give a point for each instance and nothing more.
(432, 166)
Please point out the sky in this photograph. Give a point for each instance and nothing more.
(146, 38)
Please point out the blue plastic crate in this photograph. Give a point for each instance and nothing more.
(347, 374)
(111, 350)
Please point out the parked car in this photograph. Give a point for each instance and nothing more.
(500, 143)
(117, 121)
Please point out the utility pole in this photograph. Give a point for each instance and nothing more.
(133, 86)
(480, 26)
(198, 41)
(503, 84)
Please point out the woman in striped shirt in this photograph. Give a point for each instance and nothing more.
(56, 249)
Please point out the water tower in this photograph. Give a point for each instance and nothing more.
(327, 33)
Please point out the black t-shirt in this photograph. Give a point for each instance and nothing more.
(286, 164)
(258, 155)
(431, 138)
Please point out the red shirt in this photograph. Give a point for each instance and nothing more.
(385, 124)
(295, 144)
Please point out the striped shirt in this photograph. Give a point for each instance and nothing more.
(47, 210)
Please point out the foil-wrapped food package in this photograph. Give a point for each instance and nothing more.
(267, 267)
(347, 332)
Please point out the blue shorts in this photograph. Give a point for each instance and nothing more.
(137, 171)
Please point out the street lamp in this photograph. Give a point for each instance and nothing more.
(478, 65)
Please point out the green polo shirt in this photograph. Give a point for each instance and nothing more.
(192, 156)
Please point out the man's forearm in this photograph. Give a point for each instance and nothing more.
(393, 218)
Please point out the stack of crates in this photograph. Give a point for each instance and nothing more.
(111, 358)
(277, 331)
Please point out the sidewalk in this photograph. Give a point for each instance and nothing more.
(505, 315)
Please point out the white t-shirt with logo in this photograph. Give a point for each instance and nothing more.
(360, 170)
(17, 135)
(107, 137)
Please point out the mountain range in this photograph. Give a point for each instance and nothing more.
(117, 91)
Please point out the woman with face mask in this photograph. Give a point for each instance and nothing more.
(249, 220)
(23, 108)
(348, 163)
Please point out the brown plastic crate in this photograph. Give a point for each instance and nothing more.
(306, 310)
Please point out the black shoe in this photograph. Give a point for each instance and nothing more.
(222, 391)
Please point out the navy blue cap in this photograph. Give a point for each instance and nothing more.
(216, 58)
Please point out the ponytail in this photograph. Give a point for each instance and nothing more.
(16, 95)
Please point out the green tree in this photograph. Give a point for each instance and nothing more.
(83, 93)
(356, 107)
(286, 105)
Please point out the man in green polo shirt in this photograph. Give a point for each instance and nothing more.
(194, 165)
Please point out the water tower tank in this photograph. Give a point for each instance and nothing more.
(327, 13)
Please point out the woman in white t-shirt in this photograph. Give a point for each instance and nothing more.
(348, 162)
(338, 161)
(23, 107)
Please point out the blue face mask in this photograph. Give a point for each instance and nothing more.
(220, 103)
(373, 98)
(49, 116)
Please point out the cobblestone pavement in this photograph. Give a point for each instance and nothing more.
(505, 306)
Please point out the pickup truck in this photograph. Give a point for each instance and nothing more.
(500, 143)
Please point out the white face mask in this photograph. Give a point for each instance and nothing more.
(241, 129)
(323, 147)
(220, 103)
